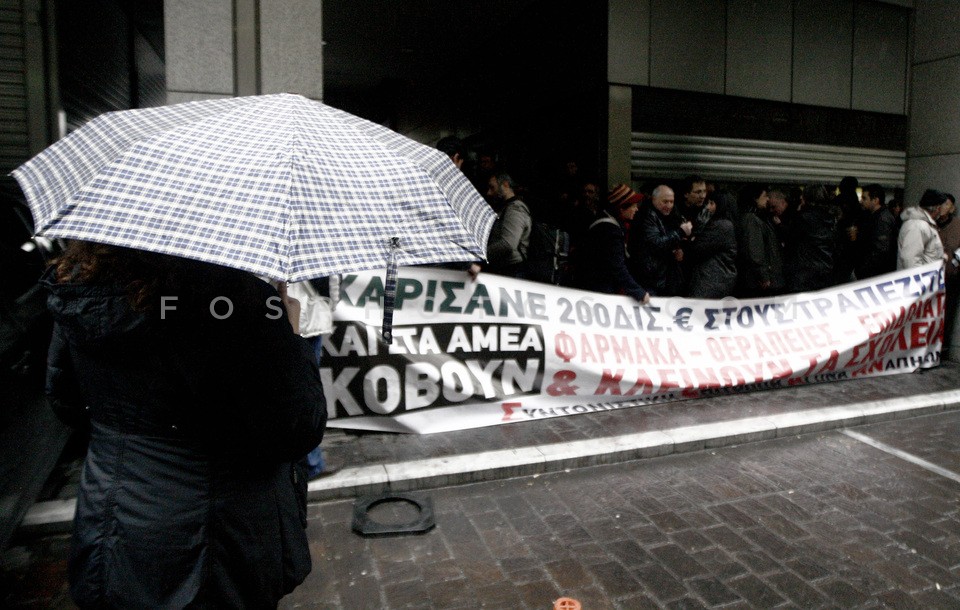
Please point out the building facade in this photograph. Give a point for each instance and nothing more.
(786, 91)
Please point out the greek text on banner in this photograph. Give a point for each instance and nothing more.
(500, 350)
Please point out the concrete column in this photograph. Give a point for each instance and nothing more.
(291, 47)
(198, 41)
(226, 48)
(933, 155)
(40, 79)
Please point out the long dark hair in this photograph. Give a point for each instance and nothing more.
(141, 274)
(748, 197)
(726, 206)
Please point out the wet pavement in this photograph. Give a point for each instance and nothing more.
(822, 519)
(814, 521)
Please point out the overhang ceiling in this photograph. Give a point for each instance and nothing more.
(369, 41)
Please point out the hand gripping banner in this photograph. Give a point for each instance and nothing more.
(500, 350)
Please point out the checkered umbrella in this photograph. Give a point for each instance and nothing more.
(278, 185)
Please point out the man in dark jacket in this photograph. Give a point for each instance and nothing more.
(693, 191)
(759, 256)
(851, 217)
(781, 214)
(877, 235)
(656, 238)
(811, 255)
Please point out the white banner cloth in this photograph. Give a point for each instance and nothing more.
(499, 350)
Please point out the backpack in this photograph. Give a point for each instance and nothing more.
(547, 253)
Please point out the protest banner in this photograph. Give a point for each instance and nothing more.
(501, 350)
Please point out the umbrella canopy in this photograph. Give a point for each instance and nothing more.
(278, 185)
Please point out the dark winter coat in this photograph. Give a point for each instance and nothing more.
(950, 238)
(759, 257)
(601, 261)
(713, 259)
(653, 238)
(812, 249)
(189, 495)
(877, 249)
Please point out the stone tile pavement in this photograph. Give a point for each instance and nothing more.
(813, 521)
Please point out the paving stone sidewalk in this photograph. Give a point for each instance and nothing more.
(816, 521)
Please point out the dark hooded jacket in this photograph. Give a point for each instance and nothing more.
(189, 496)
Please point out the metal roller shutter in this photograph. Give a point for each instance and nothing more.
(675, 156)
(14, 136)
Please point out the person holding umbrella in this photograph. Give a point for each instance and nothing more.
(200, 394)
(278, 185)
(200, 398)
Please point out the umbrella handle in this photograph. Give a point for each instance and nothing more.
(390, 291)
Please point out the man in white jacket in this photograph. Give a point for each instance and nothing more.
(919, 241)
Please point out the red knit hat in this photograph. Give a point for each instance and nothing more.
(622, 196)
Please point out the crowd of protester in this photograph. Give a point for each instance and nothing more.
(765, 241)
(699, 239)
